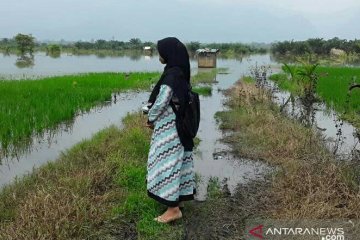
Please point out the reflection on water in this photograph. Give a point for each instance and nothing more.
(213, 158)
(56, 63)
(54, 54)
(43, 65)
(341, 137)
(25, 62)
(49, 146)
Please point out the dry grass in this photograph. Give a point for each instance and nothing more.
(309, 182)
(67, 199)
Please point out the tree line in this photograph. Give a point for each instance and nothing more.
(132, 44)
(316, 46)
(27, 43)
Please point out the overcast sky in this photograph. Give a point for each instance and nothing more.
(189, 20)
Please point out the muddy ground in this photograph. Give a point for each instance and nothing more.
(224, 217)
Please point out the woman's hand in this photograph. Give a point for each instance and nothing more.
(149, 125)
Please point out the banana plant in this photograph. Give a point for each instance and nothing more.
(307, 76)
(291, 70)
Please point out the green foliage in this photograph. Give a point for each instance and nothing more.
(290, 70)
(28, 107)
(206, 77)
(204, 91)
(316, 46)
(285, 83)
(226, 49)
(214, 188)
(25, 43)
(332, 86)
(114, 45)
(193, 46)
(54, 48)
(303, 78)
(247, 79)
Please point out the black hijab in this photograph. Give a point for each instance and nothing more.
(177, 76)
(175, 55)
(177, 63)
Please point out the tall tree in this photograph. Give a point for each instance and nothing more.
(135, 43)
(25, 43)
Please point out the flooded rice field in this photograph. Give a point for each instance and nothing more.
(213, 159)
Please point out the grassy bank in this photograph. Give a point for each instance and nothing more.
(308, 183)
(332, 88)
(96, 190)
(28, 107)
(204, 91)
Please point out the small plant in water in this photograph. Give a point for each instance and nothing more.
(260, 75)
(339, 134)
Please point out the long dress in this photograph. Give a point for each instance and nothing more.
(170, 175)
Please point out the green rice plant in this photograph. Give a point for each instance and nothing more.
(333, 88)
(222, 70)
(284, 83)
(214, 188)
(334, 84)
(204, 91)
(29, 107)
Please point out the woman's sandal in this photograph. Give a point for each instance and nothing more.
(160, 219)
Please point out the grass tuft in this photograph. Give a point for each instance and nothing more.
(204, 91)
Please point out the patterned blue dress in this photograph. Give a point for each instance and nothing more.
(170, 174)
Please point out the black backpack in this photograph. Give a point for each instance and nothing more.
(190, 115)
(191, 119)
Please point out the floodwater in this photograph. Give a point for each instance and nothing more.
(340, 136)
(345, 145)
(50, 146)
(72, 64)
(212, 158)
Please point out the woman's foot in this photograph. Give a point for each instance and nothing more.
(170, 215)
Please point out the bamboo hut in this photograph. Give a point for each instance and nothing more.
(207, 57)
(148, 50)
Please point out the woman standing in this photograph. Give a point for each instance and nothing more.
(170, 176)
